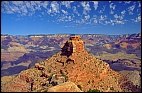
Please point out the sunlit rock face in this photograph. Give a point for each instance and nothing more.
(73, 45)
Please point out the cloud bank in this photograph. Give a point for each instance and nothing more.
(78, 12)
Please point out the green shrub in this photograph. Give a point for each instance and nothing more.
(93, 90)
(63, 74)
(66, 78)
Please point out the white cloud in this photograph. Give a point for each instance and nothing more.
(137, 19)
(95, 21)
(116, 16)
(139, 4)
(67, 3)
(18, 3)
(49, 11)
(45, 4)
(106, 22)
(28, 4)
(95, 4)
(111, 12)
(75, 10)
(127, 2)
(117, 21)
(102, 17)
(24, 10)
(55, 7)
(86, 7)
(131, 9)
(87, 17)
(123, 12)
(68, 11)
(69, 18)
(112, 6)
(64, 12)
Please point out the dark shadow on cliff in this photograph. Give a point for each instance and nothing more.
(34, 57)
(119, 66)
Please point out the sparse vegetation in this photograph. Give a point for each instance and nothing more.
(93, 90)
(111, 88)
(50, 77)
(66, 77)
(63, 74)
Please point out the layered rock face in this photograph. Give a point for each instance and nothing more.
(72, 46)
(72, 64)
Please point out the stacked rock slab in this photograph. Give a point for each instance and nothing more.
(73, 45)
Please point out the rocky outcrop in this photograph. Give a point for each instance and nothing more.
(65, 87)
(73, 45)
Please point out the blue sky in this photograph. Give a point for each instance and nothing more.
(75, 17)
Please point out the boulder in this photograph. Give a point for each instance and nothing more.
(65, 87)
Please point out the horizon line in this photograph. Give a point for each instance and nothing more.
(68, 34)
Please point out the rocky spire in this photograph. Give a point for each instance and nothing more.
(73, 45)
